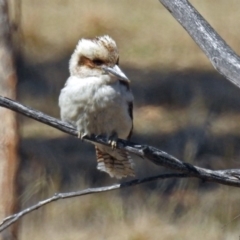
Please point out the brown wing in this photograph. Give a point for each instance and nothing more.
(130, 106)
(130, 111)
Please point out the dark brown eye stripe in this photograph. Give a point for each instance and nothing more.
(98, 62)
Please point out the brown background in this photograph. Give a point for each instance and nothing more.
(182, 105)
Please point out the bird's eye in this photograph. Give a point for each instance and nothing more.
(98, 62)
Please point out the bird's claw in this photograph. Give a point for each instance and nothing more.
(113, 141)
(113, 144)
(81, 135)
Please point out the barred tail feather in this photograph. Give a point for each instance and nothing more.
(115, 162)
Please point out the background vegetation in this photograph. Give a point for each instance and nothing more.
(182, 106)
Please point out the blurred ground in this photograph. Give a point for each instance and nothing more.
(182, 105)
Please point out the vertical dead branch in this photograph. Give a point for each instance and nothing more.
(8, 126)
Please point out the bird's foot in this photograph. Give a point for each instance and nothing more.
(112, 140)
(81, 135)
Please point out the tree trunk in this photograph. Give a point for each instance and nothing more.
(8, 126)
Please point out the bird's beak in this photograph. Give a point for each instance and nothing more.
(116, 72)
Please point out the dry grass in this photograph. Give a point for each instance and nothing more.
(150, 118)
(141, 216)
(146, 33)
(151, 40)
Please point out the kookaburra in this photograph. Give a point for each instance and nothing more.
(97, 99)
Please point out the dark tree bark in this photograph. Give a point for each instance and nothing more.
(8, 126)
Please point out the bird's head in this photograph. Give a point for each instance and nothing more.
(96, 57)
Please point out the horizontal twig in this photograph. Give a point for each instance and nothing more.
(158, 157)
(229, 177)
(15, 217)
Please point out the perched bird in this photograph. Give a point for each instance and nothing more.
(97, 99)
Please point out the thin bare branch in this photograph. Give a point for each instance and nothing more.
(15, 217)
(222, 57)
(229, 177)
